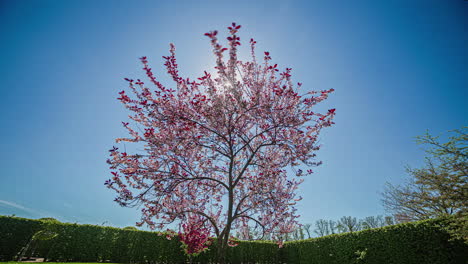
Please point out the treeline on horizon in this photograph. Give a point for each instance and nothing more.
(323, 227)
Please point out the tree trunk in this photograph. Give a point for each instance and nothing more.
(221, 250)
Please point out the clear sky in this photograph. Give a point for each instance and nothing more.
(398, 68)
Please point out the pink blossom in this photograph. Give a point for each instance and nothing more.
(212, 154)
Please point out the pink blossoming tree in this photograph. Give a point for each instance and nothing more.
(216, 149)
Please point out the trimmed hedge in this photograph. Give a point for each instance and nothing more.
(87, 243)
(15, 233)
(411, 243)
(91, 243)
(246, 252)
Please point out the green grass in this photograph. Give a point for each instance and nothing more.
(13, 262)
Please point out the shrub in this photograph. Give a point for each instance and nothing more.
(411, 243)
(416, 242)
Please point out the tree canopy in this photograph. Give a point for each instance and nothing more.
(215, 150)
(440, 188)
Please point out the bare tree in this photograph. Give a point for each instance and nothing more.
(349, 224)
(306, 228)
(389, 220)
(333, 226)
(298, 234)
(321, 227)
(372, 222)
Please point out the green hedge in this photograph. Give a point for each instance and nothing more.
(15, 234)
(411, 243)
(264, 252)
(87, 243)
(418, 242)
(91, 243)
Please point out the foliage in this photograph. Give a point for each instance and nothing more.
(215, 150)
(438, 189)
(93, 243)
(195, 237)
(457, 226)
(42, 235)
(410, 243)
(15, 233)
(86, 243)
(49, 219)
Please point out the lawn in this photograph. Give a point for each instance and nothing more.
(13, 262)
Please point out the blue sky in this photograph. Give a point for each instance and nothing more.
(398, 68)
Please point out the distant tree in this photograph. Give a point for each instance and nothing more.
(340, 228)
(389, 220)
(372, 222)
(298, 234)
(307, 230)
(349, 224)
(252, 233)
(130, 228)
(321, 227)
(301, 233)
(333, 226)
(440, 188)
